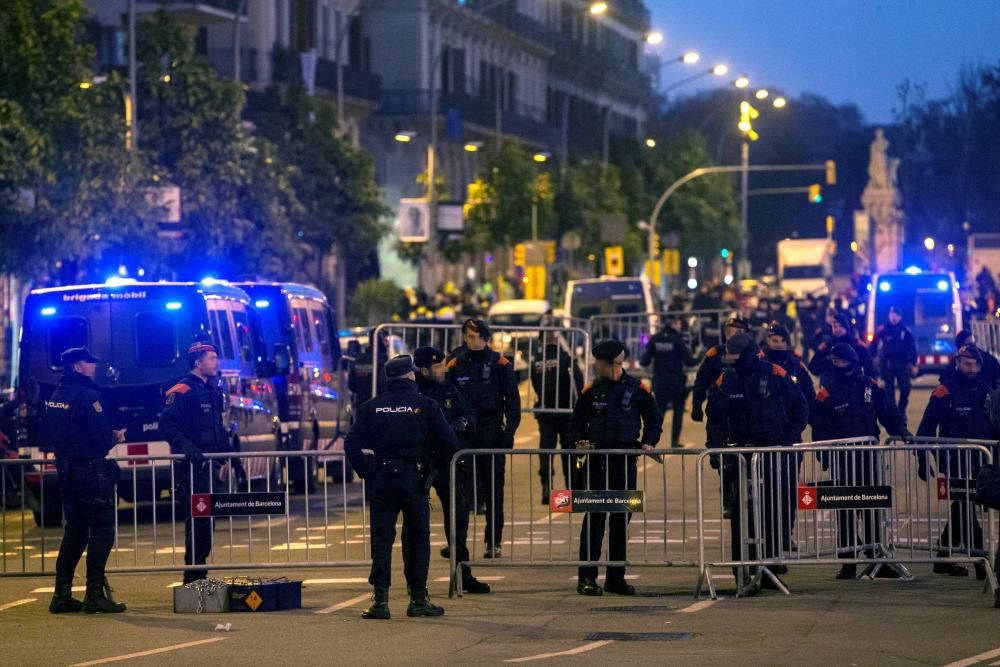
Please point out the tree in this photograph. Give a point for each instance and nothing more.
(374, 301)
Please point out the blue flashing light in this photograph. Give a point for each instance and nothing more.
(942, 285)
(884, 286)
(208, 281)
(118, 281)
(957, 286)
(261, 303)
(48, 310)
(868, 287)
(173, 305)
(913, 270)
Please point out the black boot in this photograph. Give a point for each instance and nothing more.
(849, 571)
(951, 569)
(380, 608)
(589, 586)
(472, 585)
(420, 605)
(63, 602)
(99, 601)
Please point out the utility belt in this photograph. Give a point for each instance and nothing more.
(398, 466)
(104, 470)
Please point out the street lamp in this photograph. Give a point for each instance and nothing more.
(929, 243)
(541, 156)
(651, 143)
(720, 69)
(742, 81)
(129, 108)
(761, 94)
(404, 136)
(473, 146)
(717, 70)
(779, 102)
(598, 8)
(654, 37)
(690, 57)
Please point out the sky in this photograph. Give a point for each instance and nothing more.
(849, 51)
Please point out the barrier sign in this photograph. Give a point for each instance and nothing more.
(845, 497)
(237, 504)
(597, 501)
(956, 488)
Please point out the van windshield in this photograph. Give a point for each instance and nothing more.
(516, 319)
(611, 297)
(799, 272)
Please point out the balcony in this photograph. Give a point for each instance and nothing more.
(199, 12)
(357, 83)
(221, 60)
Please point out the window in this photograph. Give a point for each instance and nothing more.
(243, 338)
(155, 339)
(225, 334)
(322, 335)
(64, 333)
(303, 330)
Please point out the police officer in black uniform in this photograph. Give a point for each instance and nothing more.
(896, 350)
(487, 380)
(712, 366)
(616, 412)
(432, 382)
(406, 435)
(850, 404)
(755, 403)
(77, 425)
(670, 355)
(957, 409)
(192, 422)
(779, 351)
(990, 374)
(359, 377)
(841, 331)
(557, 382)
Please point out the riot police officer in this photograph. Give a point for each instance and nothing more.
(712, 366)
(850, 404)
(192, 422)
(755, 403)
(957, 409)
(77, 425)
(405, 434)
(556, 381)
(841, 331)
(779, 351)
(670, 355)
(432, 382)
(616, 412)
(487, 380)
(896, 350)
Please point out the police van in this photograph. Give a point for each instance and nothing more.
(301, 336)
(141, 331)
(931, 308)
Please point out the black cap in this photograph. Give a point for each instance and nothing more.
(845, 352)
(778, 329)
(427, 356)
(608, 350)
(75, 354)
(970, 352)
(738, 322)
(844, 320)
(399, 366)
(479, 326)
(962, 336)
(737, 344)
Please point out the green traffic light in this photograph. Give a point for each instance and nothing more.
(725, 253)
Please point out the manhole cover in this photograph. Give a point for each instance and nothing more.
(639, 636)
(635, 609)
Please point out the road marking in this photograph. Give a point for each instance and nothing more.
(140, 654)
(573, 651)
(697, 606)
(52, 589)
(492, 578)
(16, 603)
(340, 580)
(600, 580)
(344, 604)
(982, 657)
(546, 519)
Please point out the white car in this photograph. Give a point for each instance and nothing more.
(517, 313)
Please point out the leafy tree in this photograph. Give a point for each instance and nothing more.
(374, 301)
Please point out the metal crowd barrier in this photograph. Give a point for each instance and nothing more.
(987, 333)
(527, 347)
(257, 522)
(841, 502)
(662, 534)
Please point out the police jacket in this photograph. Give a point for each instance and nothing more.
(193, 417)
(709, 371)
(761, 408)
(797, 371)
(75, 421)
(450, 400)
(894, 346)
(401, 424)
(616, 415)
(486, 379)
(853, 407)
(957, 409)
(820, 363)
(555, 379)
(670, 356)
(359, 377)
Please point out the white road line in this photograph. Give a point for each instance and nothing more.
(52, 589)
(340, 580)
(344, 604)
(573, 651)
(496, 578)
(140, 654)
(697, 606)
(982, 657)
(16, 603)
(600, 580)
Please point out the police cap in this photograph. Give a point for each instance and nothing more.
(970, 352)
(200, 346)
(478, 326)
(427, 356)
(738, 322)
(845, 352)
(75, 354)
(608, 350)
(399, 366)
(778, 329)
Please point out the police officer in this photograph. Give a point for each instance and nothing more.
(406, 435)
(192, 424)
(359, 377)
(779, 352)
(841, 331)
(432, 382)
(850, 404)
(957, 409)
(77, 424)
(487, 380)
(616, 412)
(896, 350)
(755, 403)
(670, 355)
(712, 366)
(990, 373)
(556, 381)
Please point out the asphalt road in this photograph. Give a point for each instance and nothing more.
(533, 614)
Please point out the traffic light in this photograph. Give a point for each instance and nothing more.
(831, 172)
(815, 193)
(830, 224)
(614, 260)
(724, 253)
(747, 114)
(656, 245)
(519, 254)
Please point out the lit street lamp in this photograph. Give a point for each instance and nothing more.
(597, 8)
(717, 70)
(654, 37)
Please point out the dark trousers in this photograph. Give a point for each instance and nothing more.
(391, 494)
(197, 531)
(670, 396)
(606, 472)
(489, 474)
(89, 505)
(774, 500)
(962, 521)
(857, 469)
(553, 431)
(443, 490)
(897, 374)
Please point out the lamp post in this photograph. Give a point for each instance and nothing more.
(131, 106)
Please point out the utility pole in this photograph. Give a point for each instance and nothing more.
(744, 266)
(133, 100)
(236, 40)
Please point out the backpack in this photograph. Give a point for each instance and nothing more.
(988, 486)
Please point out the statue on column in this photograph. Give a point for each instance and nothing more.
(881, 201)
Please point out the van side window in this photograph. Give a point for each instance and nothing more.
(64, 333)
(243, 336)
(155, 339)
(322, 334)
(303, 330)
(220, 320)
